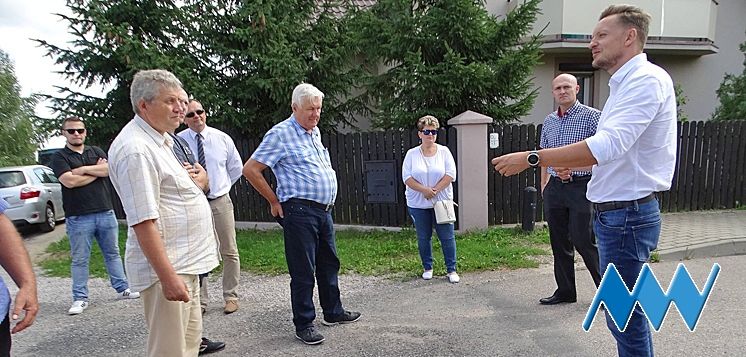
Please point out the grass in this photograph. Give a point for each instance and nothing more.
(375, 252)
(58, 261)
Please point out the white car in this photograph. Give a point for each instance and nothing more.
(34, 195)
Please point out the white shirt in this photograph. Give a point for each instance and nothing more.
(428, 171)
(221, 157)
(635, 143)
(153, 184)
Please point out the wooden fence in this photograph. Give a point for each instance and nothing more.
(710, 173)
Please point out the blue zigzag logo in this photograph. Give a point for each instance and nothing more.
(648, 293)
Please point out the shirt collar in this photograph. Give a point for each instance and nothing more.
(193, 134)
(299, 130)
(156, 136)
(618, 77)
(570, 109)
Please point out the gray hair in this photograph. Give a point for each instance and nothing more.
(306, 91)
(147, 84)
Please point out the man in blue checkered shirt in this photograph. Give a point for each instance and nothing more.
(566, 209)
(306, 190)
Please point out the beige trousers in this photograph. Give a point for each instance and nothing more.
(225, 226)
(174, 327)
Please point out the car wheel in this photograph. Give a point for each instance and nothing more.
(49, 221)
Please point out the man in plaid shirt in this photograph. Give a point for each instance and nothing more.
(566, 209)
(306, 190)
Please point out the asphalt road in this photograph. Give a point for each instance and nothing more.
(488, 314)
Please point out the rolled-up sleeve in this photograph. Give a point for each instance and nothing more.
(270, 150)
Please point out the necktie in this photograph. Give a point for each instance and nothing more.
(201, 156)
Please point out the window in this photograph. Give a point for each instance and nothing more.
(584, 72)
(12, 179)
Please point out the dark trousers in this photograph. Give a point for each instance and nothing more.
(309, 248)
(5, 337)
(569, 215)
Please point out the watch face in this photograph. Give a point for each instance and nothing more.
(533, 158)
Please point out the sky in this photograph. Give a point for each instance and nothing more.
(22, 20)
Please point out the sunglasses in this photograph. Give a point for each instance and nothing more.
(196, 112)
(429, 132)
(72, 131)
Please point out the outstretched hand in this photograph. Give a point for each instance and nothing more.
(511, 164)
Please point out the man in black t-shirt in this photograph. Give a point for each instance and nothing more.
(83, 172)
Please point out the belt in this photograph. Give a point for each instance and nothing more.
(573, 178)
(608, 206)
(213, 199)
(310, 203)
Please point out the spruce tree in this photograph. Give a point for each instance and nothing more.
(443, 57)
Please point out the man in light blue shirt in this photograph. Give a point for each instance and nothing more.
(14, 258)
(306, 190)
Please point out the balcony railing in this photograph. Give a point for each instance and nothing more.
(680, 26)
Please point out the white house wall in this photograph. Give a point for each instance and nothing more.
(699, 76)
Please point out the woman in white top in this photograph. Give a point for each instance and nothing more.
(428, 172)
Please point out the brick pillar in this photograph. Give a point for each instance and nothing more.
(472, 165)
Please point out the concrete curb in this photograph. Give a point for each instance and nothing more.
(704, 250)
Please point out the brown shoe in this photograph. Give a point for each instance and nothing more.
(230, 306)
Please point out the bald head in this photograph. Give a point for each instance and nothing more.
(565, 90)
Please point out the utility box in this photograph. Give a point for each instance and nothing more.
(381, 181)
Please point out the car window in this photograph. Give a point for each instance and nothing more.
(42, 176)
(51, 176)
(12, 179)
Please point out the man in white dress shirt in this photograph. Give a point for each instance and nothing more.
(634, 150)
(217, 153)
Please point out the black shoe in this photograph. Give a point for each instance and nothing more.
(309, 336)
(346, 318)
(554, 299)
(208, 346)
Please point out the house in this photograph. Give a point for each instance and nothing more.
(696, 41)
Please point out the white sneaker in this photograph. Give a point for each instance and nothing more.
(127, 294)
(427, 275)
(78, 307)
(453, 278)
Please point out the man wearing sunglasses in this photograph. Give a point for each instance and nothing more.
(83, 172)
(217, 153)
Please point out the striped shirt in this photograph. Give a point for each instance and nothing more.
(577, 124)
(299, 161)
(153, 185)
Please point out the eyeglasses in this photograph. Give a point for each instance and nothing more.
(72, 131)
(429, 132)
(197, 112)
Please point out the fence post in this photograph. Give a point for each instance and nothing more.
(472, 167)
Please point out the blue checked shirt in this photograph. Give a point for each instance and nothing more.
(300, 163)
(578, 123)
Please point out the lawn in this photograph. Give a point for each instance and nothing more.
(375, 252)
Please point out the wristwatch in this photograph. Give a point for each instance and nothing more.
(533, 159)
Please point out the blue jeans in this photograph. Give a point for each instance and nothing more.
(625, 237)
(309, 248)
(424, 220)
(81, 230)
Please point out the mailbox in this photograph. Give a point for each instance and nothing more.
(381, 181)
